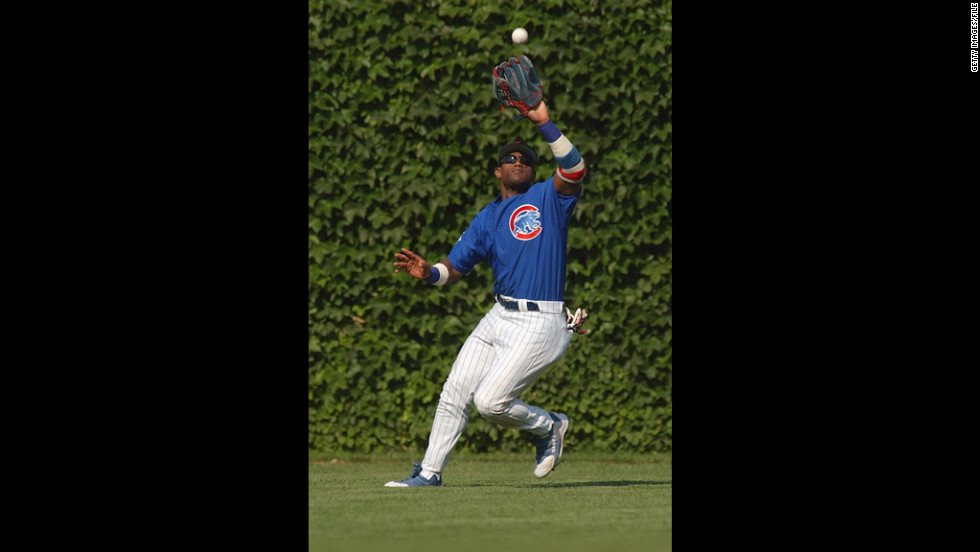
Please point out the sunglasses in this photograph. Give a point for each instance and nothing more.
(514, 159)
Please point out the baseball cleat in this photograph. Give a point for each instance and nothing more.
(550, 447)
(416, 479)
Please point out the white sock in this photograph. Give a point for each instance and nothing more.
(428, 474)
(546, 433)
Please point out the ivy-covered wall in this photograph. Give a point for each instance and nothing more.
(403, 135)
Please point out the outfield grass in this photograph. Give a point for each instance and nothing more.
(492, 502)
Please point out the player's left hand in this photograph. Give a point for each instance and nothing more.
(538, 114)
(516, 84)
(575, 321)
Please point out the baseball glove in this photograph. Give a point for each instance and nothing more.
(516, 84)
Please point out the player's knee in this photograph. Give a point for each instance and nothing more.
(489, 407)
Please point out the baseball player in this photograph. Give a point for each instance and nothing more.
(523, 235)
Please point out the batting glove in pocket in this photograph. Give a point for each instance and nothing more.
(574, 321)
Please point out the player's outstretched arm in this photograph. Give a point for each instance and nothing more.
(441, 274)
(571, 166)
(516, 84)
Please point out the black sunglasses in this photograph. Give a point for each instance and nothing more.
(514, 159)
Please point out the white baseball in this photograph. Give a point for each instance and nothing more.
(519, 36)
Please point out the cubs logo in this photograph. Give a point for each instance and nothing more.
(525, 222)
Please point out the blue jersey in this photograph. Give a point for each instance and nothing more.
(525, 240)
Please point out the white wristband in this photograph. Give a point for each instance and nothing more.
(443, 274)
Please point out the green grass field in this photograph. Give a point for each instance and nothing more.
(492, 502)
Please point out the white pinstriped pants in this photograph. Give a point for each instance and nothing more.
(506, 352)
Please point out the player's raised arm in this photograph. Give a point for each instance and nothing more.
(440, 274)
(516, 84)
(571, 166)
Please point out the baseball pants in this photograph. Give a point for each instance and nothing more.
(506, 353)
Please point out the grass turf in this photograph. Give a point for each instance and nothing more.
(492, 502)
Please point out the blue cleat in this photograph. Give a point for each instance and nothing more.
(550, 446)
(416, 479)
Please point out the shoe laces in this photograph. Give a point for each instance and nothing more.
(542, 444)
(417, 470)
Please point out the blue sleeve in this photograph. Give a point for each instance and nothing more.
(469, 249)
(565, 204)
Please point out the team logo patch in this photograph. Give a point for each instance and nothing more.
(525, 222)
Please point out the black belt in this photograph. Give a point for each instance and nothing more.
(513, 305)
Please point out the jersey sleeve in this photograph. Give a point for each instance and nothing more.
(470, 248)
(564, 203)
